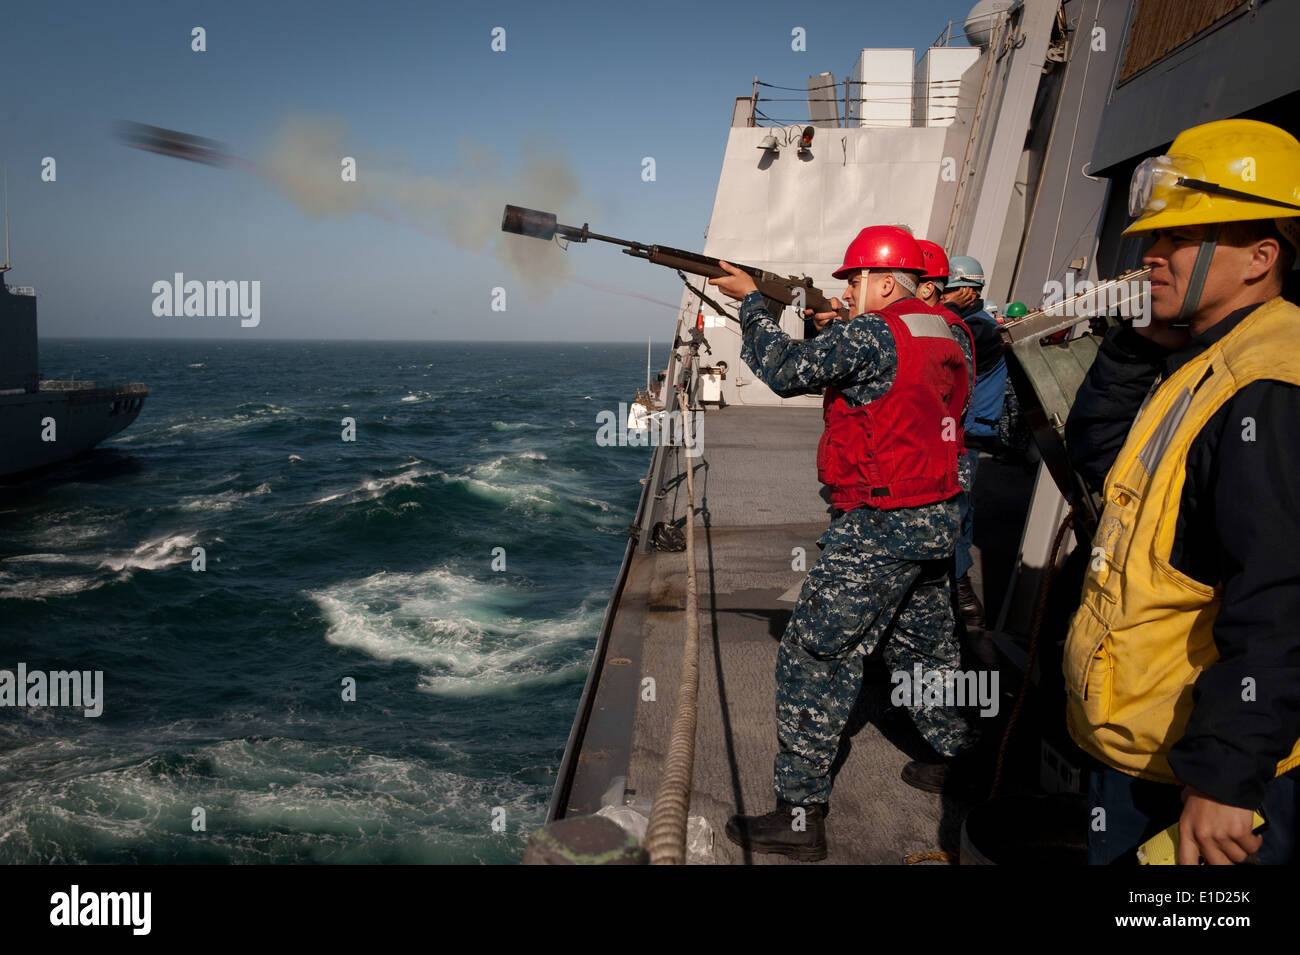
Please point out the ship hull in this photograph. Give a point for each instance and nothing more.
(42, 428)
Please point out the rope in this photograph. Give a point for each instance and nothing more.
(939, 855)
(1039, 606)
(665, 838)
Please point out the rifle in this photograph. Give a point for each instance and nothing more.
(777, 290)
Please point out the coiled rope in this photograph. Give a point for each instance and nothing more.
(665, 838)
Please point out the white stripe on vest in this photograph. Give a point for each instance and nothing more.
(923, 325)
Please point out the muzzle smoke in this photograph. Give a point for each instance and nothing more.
(463, 205)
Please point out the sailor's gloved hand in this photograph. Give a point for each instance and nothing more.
(735, 284)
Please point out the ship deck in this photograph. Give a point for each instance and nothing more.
(757, 499)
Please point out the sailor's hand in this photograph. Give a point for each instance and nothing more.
(822, 319)
(1211, 830)
(961, 297)
(735, 284)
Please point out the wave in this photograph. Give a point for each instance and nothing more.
(515, 426)
(493, 467)
(154, 554)
(244, 415)
(374, 488)
(278, 800)
(223, 501)
(459, 631)
(473, 480)
(24, 587)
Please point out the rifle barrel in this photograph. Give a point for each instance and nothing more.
(543, 225)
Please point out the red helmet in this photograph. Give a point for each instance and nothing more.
(936, 263)
(882, 247)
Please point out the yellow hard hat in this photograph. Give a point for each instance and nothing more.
(1225, 171)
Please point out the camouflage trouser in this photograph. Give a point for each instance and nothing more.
(848, 602)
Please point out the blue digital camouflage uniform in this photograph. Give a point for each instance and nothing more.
(878, 569)
(967, 461)
(966, 464)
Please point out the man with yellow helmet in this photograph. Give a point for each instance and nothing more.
(1182, 664)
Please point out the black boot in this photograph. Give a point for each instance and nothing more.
(966, 776)
(776, 831)
(972, 611)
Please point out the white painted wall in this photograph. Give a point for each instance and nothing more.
(939, 85)
(887, 89)
(795, 216)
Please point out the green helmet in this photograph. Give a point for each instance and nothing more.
(1016, 310)
(965, 272)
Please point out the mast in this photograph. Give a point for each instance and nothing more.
(647, 341)
(5, 268)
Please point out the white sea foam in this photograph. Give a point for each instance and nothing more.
(507, 495)
(473, 480)
(222, 501)
(374, 488)
(493, 467)
(24, 587)
(464, 634)
(153, 554)
(323, 801)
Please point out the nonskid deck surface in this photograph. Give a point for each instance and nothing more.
(757, 499)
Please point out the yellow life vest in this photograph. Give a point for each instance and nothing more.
(1145, 631)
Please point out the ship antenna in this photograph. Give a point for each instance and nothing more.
(5, 267)
(647, 359)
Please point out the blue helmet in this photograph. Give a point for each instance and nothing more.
(965, 272)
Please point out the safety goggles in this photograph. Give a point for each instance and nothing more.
(1162, 183)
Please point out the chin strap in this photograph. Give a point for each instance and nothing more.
(1199, 271)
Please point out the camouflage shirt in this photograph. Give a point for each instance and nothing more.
(968, 352)
(859, 358)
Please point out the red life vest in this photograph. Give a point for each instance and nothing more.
(901, 449)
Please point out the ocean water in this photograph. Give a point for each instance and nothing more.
(326, 561)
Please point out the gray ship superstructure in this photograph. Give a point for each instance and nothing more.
(45, 421)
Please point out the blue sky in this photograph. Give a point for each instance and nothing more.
(414, 92)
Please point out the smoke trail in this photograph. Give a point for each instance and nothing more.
(305, 160)
(464, 205)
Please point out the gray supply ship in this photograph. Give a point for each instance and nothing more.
(1017, 150)
(44, 421)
